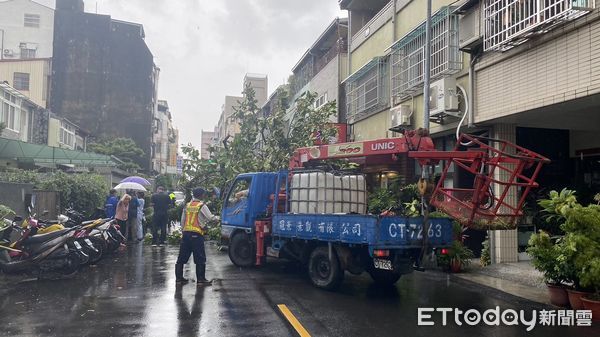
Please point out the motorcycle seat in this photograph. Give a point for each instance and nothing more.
(45, 237)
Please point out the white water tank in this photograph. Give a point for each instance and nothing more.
(326, 193)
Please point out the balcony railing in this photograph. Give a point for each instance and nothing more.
(509, 23)
(408, 53)
(367, 90)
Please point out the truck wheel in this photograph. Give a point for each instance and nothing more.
(384, 277)
(324, 273)
(241, 250)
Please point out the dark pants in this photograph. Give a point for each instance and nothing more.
(191, 243)
(122, 227)
(131, 228)
(160, 223)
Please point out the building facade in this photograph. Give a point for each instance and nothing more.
(322, 69)
(165, 141)
(228, 126)
(104, 76)
(30, 76)
(506, 69)
(207, 139)
(26, 30)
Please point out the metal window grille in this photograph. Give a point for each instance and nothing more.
(27, 53)
(367, 90)
(509, 23)
(31, 20)
(407, 59)
(21, 81)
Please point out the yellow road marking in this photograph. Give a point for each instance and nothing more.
(293, 320)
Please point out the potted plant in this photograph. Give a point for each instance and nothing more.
(544, 254)
(459, 256)
(582, 249)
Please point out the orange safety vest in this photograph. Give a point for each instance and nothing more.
(192, 218)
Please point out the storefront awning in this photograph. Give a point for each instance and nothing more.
(45, 156)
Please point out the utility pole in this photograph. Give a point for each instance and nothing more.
(427, 67)
(425, 168)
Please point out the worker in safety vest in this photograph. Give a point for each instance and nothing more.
(194, 219)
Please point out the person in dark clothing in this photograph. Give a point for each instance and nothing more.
(194, 220)
(110, 206)
(161, 203)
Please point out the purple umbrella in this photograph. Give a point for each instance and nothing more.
(136, 179)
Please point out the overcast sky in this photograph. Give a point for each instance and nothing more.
(205, 47)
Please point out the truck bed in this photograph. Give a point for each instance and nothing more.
(385, 232)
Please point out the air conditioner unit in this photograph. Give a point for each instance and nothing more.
(8, 52)
(443, 98)
(469, 28)
(401, 115)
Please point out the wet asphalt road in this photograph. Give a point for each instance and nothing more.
(134, 294)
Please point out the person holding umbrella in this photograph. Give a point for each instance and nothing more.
(122, 213)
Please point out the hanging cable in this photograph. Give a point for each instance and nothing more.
(462, 120)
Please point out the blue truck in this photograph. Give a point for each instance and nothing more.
(255, 224)
(257, 221)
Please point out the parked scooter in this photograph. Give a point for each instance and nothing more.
(57, 251)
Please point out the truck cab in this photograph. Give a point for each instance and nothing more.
(245, 201)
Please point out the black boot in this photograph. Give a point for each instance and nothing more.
(201, 275)
(179, 274)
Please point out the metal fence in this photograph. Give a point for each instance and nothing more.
(509, 23)
(407, 58)
(367, 89)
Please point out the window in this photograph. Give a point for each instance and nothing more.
(21, 81)
(10, 111)
(67, 134)
(509, 23)
(32, 20)
(408, 57)
(319, 102)
(158, 147)
(367, 89)
(27, 53)
(239, 191)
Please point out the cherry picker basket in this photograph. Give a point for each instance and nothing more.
(503, 174)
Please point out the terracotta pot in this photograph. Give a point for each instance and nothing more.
(558, 295)
(455, 266)
(575, 298)
(592, 305)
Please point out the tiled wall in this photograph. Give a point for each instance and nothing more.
(505, 241)
(558, 66)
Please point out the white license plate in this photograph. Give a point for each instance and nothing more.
(383, 264)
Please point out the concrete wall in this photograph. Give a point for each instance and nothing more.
(104, 77)
(13, 196)
(374, 46)
(12, 24)
(561, 65)
(39, 77)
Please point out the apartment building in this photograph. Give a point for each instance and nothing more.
(207, 139)
(523, 71)
(26, 30)
(165, 140)
(322, 68)
(228, 125)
